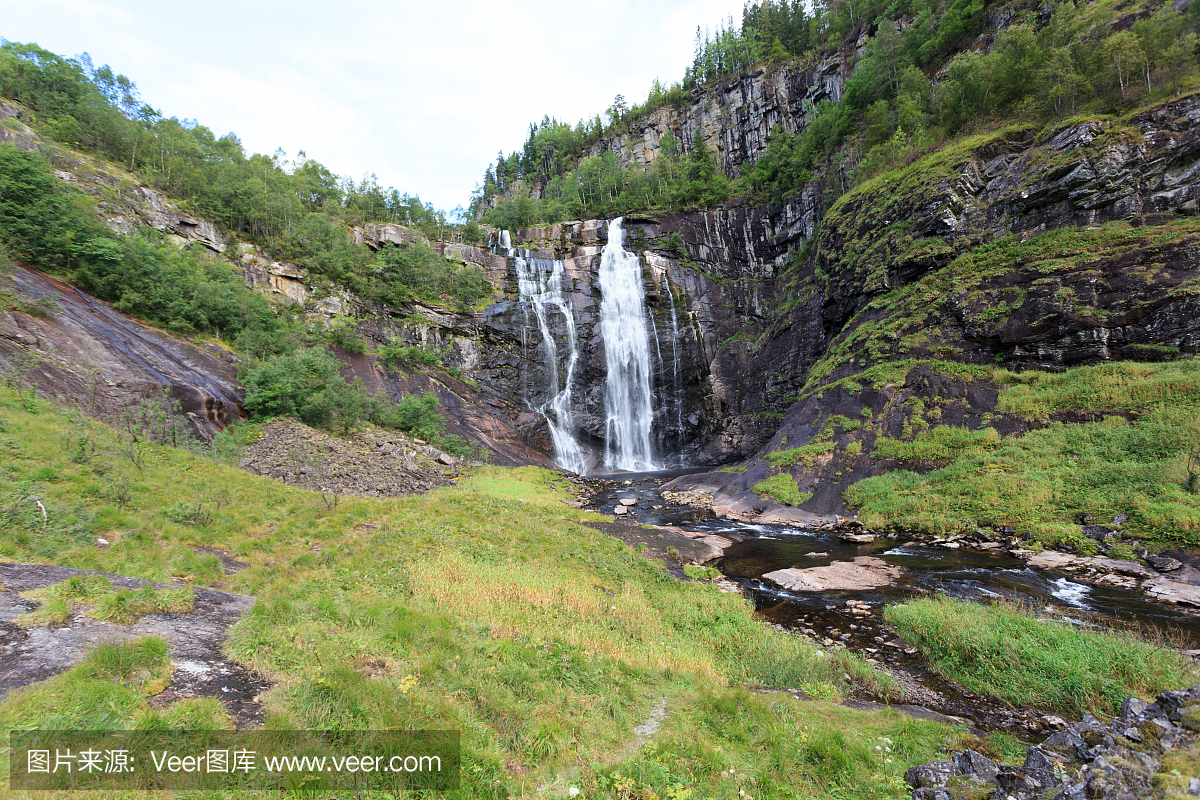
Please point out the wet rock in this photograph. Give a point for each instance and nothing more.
(1164, 563)
(857, 538)
(629, 501)
(87, 354)
(864, 572)
(694, 499)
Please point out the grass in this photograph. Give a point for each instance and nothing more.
(1002, 651)
(1043, 481)
(59, 600)
(108, 689)
(782, 488)
(1115, 387)
(807, 453)
(102, 601)
(129, 605)
(942, 443)
(486, 607)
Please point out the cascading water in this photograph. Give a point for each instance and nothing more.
(628, 406)
(539, 281)
(676, 384)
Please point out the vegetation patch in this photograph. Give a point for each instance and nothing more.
(782, 488)
(941, 443)
(129, 605)
(101, 601)
(807, 453)
(485, 607)
(1007, 653)
(1044, 481)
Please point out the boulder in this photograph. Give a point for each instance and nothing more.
(864, 572)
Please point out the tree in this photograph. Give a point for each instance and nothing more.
(1123, 53)
(617, 111)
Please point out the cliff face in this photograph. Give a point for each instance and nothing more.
(735, 117)
(1021, 248)
(83, 353)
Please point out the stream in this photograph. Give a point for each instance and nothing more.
(827, 617)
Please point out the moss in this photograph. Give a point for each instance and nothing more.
(1190, 717)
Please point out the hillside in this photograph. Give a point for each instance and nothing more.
(885, 281)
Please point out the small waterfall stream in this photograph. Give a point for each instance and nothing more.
(628, 406)
(676, 383)
(539, 281)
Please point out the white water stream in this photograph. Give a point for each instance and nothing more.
(539, 281)
(628, 400)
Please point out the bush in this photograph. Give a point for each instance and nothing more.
(398, 355)
(308, 385)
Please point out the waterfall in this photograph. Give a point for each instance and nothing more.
(628, 405)
(539, 281)
(676, 384)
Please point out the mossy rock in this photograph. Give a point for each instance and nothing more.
(1190, 718)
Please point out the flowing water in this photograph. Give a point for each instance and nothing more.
(926, 570)
(628, 397)
(539, 281)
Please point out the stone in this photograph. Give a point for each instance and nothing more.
(1166, 590)
(932, 774)
(621, 511)
(864, 572)
(629, 501)
(857, 538)
(979, 767)
(445, 458)
(1164, 563)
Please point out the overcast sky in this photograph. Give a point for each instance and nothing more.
(421, 93)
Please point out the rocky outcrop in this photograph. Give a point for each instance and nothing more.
(1149, 750)
(877, 287)
(82, 352)
(735, 117)
(369, 463)
(124, 203)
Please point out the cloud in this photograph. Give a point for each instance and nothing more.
(423, 94)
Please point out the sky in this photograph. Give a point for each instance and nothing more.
(423, 94)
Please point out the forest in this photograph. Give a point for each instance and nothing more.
(298, 211)
(906, 97)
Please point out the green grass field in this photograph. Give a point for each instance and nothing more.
(485, 607)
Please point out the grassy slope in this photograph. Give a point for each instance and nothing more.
(1044, 480)
(484, 607)
(1002, 651)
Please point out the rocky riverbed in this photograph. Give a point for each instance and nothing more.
(830, 581)
(1137, 755)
